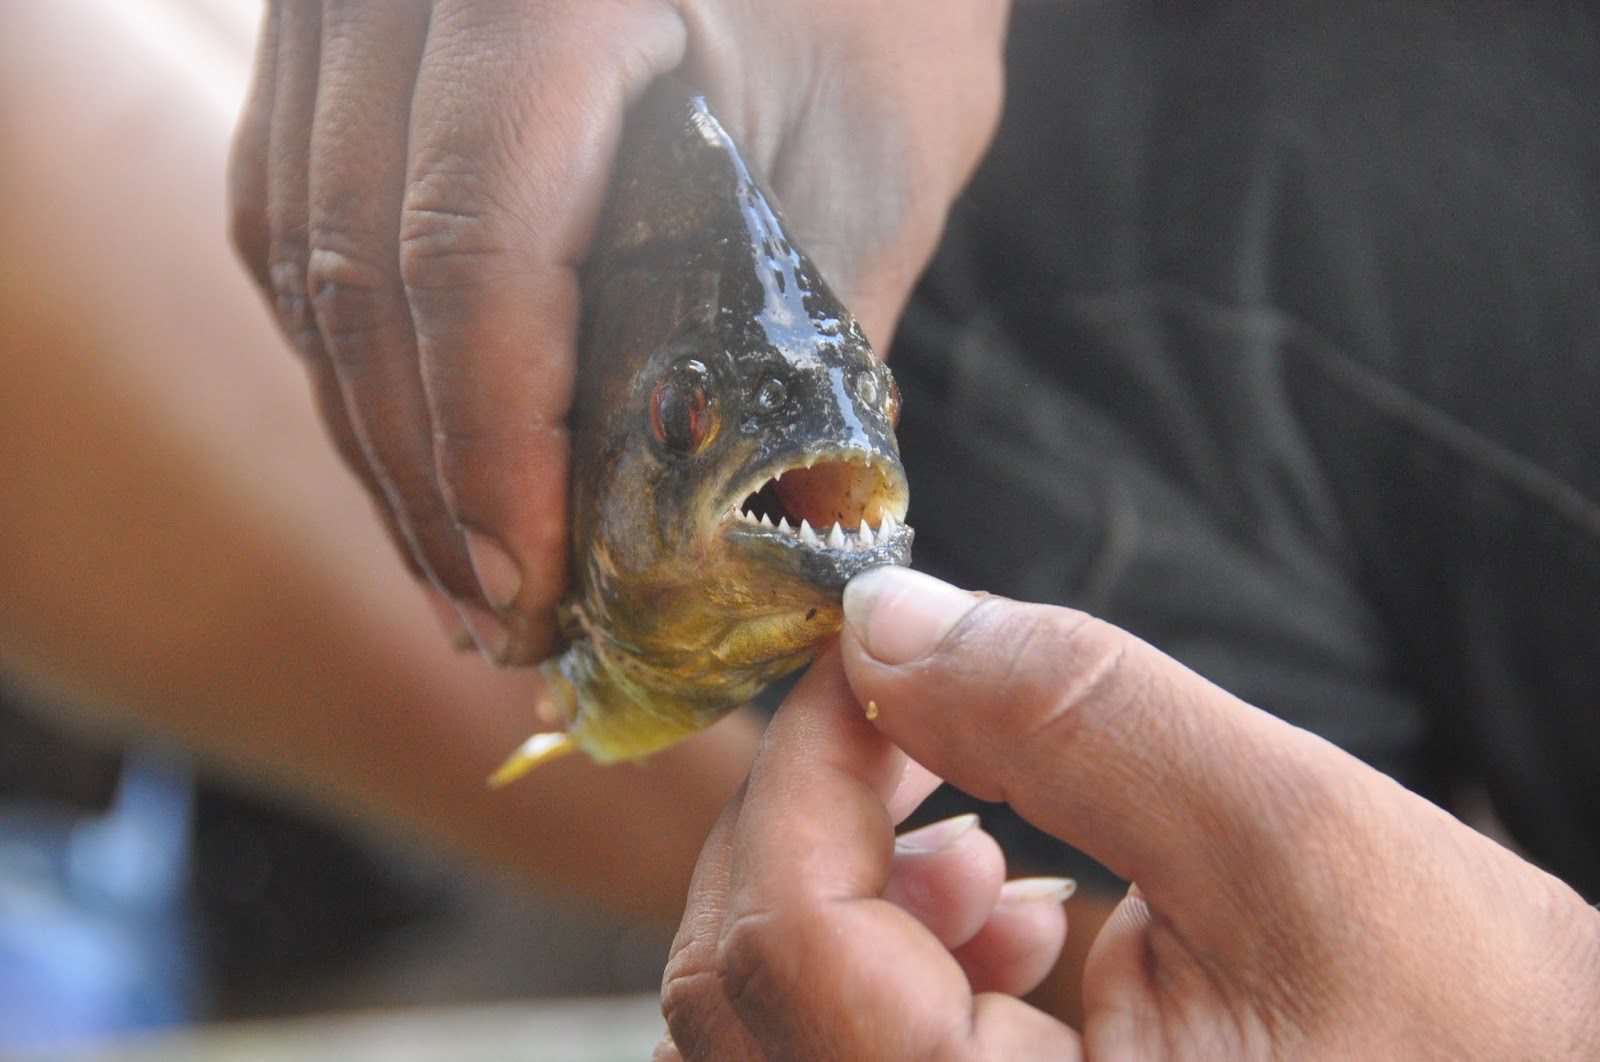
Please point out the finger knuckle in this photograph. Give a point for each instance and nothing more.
(351, 298)
(688, 997)
(287, 280)
(753, 950)
(452, 236)
(691, 988)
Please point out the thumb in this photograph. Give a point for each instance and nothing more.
(1091, 735)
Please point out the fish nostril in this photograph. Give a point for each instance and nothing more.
(867, 389)
(771, 395)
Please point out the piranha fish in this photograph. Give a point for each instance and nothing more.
(734, 457)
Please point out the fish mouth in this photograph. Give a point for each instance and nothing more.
(832, 514)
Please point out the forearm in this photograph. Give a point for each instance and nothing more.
(141, 574)
(177, 541)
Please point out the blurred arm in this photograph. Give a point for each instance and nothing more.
(178, 543)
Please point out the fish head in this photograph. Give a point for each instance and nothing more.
(746, 460)
(760, 473)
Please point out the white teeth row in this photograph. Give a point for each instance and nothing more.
(836, 537)
(848, 458)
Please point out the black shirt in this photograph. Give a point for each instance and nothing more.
(1271, 332)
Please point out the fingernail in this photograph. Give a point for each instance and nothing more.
(900, 615)
(455, 628)
(937, 836)
(497, 573)
(1037, 890)
(488, 631)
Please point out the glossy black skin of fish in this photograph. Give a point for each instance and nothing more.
(680, 611)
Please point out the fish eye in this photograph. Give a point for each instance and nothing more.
(867, 389)
(683, 408)
(771, 395)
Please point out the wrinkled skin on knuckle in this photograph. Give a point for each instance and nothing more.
(298, 321)
(347, 296)
(764, 960)
(750, 947)
(690, 994)
(454, 236)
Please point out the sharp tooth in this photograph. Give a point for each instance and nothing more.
(766, 521)
(886, 525)
(836, 537)
(806, 534)
(783, 525)
(864, 535)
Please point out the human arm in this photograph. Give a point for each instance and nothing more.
(1288, 899)
(179, 547)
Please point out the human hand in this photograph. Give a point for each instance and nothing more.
(1289, 900)
(415, 184)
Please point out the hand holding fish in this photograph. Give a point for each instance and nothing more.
(416, 185)
(1290, 901)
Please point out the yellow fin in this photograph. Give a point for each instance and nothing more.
(541, 748)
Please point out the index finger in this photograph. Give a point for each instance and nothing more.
(1103, 741)
(812, 957)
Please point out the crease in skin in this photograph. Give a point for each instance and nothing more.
(734, 459)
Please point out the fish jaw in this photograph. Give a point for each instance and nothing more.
(825, 515)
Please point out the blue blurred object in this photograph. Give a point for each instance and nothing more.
(94, 935)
